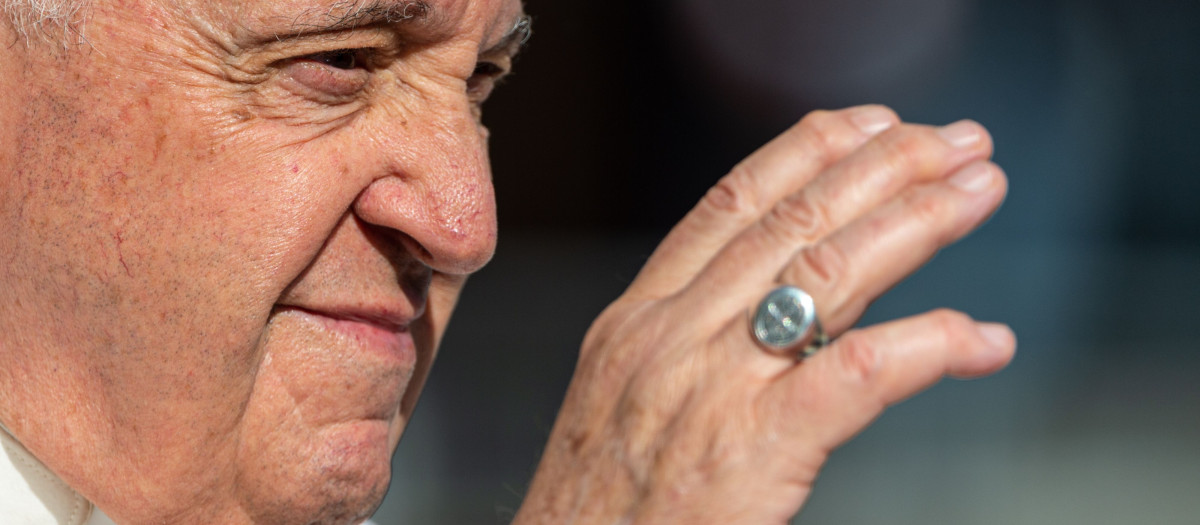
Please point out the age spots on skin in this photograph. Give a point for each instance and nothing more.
(159, 138)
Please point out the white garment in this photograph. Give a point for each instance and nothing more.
(32, 495)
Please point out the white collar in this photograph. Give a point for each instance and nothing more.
(30, 494)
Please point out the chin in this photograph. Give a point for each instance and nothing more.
(342, 481)
(318, 433)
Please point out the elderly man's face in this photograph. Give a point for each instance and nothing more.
(233, 232)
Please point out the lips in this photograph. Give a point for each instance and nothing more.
(392, 319)
(380, 330)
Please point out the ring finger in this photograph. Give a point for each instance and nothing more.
(850, 268)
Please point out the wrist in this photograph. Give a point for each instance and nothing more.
(576, 488)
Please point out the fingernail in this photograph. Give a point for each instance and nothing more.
(974, 178)
(997, 335)
(961, 134)
(872, 119)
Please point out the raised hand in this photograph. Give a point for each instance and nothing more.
(676, 414)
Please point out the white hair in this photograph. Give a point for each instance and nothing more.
(42, 17)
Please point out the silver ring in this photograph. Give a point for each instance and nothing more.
(786, 320)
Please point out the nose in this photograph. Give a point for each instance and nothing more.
(435, 194)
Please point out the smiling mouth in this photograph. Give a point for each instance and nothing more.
(378, 332)
(379, 318)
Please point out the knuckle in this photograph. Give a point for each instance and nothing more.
(815, 122)
(824, 265)
(928, 208)
(908, 149)
(734, 194)
(881, 108)
(824, 132)
(954, 326)
(798, 218)
(858, 357)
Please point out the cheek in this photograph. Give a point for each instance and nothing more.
(145, 231)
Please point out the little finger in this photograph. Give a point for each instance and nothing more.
(836, 393)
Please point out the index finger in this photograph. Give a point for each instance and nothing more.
(755, 185)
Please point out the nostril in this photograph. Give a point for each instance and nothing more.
(392, 243)
(444, 251)
(415, 283)
(418, 250)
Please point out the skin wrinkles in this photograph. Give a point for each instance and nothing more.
(164, 224)
(207, 324)
(422, 22)
(352, 13)
(264, 92)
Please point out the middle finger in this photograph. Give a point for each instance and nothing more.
(851, 188)
(847, 270)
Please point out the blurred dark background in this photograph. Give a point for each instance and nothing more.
(620, 116)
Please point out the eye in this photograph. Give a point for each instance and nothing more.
(483, 80)
(341, 59)
(339, 73)
(489, 69)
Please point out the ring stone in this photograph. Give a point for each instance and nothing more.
(786, 318)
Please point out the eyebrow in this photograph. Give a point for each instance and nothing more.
(514, 40)
(346, 14)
